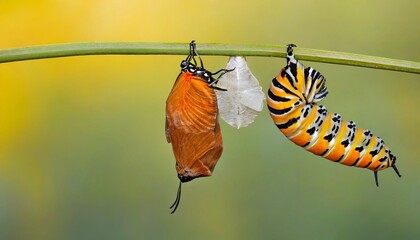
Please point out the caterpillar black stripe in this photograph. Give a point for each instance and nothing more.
(292, 102)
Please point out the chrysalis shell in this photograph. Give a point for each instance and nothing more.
(243, 100)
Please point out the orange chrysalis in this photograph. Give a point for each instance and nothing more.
(192, 124)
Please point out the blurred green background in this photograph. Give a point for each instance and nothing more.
(83, 153)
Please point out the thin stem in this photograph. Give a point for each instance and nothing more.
(133, 48)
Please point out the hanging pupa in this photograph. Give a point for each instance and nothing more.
(244, 99)
(192, 124)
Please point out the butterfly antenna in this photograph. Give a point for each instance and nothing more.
(177, 200)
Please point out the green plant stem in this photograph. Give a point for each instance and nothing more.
(143, 48)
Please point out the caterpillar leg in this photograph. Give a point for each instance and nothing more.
(290, 56)
(290, 48)
(375, 173)
(396, 170)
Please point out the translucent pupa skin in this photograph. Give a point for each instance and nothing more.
(292, 102)
(243, 101)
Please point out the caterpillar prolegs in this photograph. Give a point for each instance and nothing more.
(292, 102)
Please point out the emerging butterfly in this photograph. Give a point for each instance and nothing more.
(192, 124)
(292, 102)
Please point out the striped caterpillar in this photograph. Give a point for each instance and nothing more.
(292, 102)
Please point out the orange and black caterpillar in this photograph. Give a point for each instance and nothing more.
(292, 99)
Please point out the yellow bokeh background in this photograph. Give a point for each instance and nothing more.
(82, 148)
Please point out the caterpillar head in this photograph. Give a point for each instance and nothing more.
(393, 160)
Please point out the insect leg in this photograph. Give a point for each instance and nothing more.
(224, 71)
(290, 55)
(191, 55)
(396, 170)
(376, 178)
(290, 48)
(194, 48)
